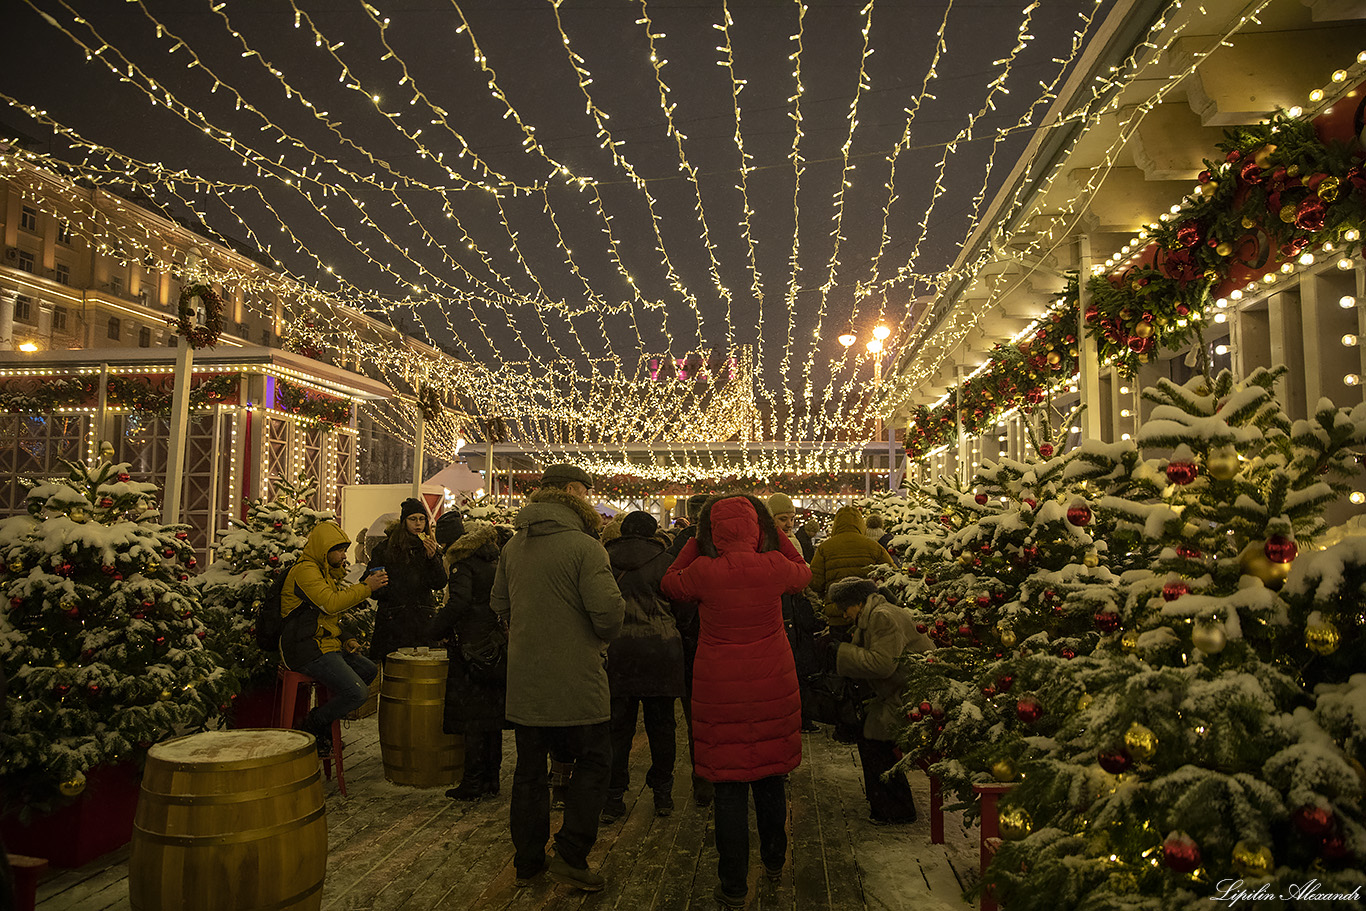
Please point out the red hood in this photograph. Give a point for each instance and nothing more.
(734, 525)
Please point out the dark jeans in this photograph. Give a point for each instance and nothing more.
(889, 799)
(732, 828)
(347, 676)
(659, 729)
(591, 747)
(483, 758)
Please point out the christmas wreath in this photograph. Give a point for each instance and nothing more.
(319, 410)
(205, 336)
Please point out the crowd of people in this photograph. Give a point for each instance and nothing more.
(569, 630)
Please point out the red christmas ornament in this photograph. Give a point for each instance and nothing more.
(931, 580)
(1028, 710)
(106, 502)
(182, 535)
(191, 561)
(139, 615)
(125, 476)
(1107, 621)
(1046, 450)
(117, 577)
(985, 548)
(1312, 820)
(936, 713)
(940, 623)
(1280, 549)
(73, 611)
(1031, 502)
(981, 499)
(278, 525)
(998, 597)
(1173, 590)
(62, 689)
(273, 560)
(1115, 761)
(983, 600)
(93, 689)
(1334, 846)
(951, 600)
(912, 715)
(108, 570)
(1180, 853)
(168, 552)
(921, 628)
(1181, 473)
(184, 577)
(1079, 515)
(201, 633)
(965, 631)
(187, 613)
(988, 691)
(1067, 654)
(16, 602)
(926, 708)
(65, 569)
(1186, 552)
(1004, 683)
(149, 604)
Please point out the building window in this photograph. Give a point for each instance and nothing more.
(64, 233)
(26, 261)
(28, 218)
(63, 274)
(265, 337)
(23, 308)
(59, 318)
(114, 327)
(116, 285)
(144, 337)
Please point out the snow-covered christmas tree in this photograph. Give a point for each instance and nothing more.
(101, 637)
(1212, 736)
(249, 555)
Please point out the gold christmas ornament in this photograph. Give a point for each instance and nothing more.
(1143, 330)
(1222, 463)
(1328, 188)
(1254, 562)
(1054, 358)
(1252, 860)
(152, 565)
(1209, 637)
(1288, 213)
(1263, 155)
(1129, 640)
(1090, 559)
(1003, 769)
(1322, 636)
(79, 515)
(1008, 638)
(73, 786)
(1141, 742)
(164, 695)
(1015, 823)
(1084, 702)
(16, 565)
(1224, 248)
(1248, 222)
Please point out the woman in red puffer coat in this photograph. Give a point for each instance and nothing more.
(746, 710)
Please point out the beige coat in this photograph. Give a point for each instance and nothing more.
(883, 632)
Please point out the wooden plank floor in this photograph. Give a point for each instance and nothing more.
(392, 847)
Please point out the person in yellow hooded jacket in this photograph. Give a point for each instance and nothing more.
(847, 552)
(315, 596)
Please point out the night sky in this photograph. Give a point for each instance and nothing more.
(437, 226)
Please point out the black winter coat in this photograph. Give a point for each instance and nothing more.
(471, 705)
(407, 604)
(685, 612)
(646, 658)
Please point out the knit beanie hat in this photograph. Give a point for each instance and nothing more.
(411, 507)
(639, 524)
(449, 527)
(780, 503)
(850, 590)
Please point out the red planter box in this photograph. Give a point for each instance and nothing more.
(100, 820)
(254, 708)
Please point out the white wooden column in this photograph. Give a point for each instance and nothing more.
(1088, 352)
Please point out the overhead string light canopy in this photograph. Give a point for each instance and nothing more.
(563, 274)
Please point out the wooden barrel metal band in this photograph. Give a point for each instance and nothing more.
(206, 800)
(232, 838)
(291, 901)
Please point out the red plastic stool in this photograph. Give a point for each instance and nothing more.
(26, 871)
(289, 683)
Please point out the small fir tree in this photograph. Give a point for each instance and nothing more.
(101, 634)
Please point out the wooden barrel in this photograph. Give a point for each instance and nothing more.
(412, 700)
(230, 821)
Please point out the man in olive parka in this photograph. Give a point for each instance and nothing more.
(555, 590)
(315, 596)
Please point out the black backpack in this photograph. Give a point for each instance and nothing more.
(270, 622)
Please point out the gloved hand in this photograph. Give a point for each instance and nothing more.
(827, 649)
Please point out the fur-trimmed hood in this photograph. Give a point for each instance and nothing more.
(545, 514)
(747, 529)
(475, 539)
